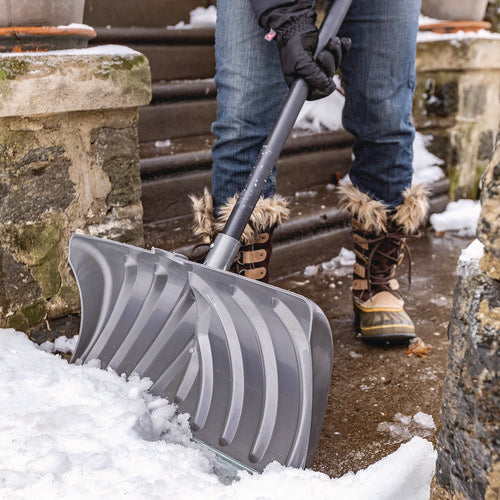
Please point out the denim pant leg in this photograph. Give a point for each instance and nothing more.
(250, 91)
(379, 79)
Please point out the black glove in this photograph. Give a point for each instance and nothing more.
(297, 37)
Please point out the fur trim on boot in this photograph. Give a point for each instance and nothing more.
(268, 214)
(413, 211)
(371, 214)
(203, 216)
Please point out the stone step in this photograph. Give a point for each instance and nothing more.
(146, 13)
(314, 233)
(173, 54)
(300, 168)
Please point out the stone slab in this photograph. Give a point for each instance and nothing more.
(104, 77)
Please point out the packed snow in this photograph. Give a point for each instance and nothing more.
(460, 216)
(79, 432)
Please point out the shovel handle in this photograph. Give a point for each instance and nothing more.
(226, 244)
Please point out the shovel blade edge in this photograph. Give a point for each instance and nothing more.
(251, 363)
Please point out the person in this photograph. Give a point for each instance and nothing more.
(263, 45)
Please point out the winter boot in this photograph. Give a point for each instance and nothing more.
(254, 255)
(379, 244)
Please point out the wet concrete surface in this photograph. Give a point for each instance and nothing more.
(376, 390)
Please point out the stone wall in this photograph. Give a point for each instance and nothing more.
(457, 101)
(468, 465)
(68, 163)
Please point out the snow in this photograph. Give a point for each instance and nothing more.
(456, 38)
(460, 216)
(99, 50)
(405, 427)
(472, 253)
(341, 265)
(79, 432)
(200, 17)
(163, 144)
(426, 169)
(323, 114)
(76, 26)
(61, 344)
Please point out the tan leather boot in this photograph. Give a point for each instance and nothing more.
(254, 255)
(380, 244)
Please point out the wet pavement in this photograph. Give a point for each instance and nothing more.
(375, 390)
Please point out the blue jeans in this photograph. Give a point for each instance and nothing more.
(379, 79)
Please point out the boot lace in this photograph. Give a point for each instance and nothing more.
(384, 256)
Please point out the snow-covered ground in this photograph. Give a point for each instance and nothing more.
(79, 432)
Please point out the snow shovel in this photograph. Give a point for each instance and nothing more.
(251, 363)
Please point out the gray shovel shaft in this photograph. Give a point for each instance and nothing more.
(226, 244)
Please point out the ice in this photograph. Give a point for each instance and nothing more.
(460, 216)
(77, 432)
(404, 427)
(311, 271)
(424, 420)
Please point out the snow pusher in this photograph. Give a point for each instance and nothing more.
(251, 363)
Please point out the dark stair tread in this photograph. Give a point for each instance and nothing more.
(148, 13)
(310, 217)
(165, 197)
(307, 214)
(154, 35)
(181, 154)
(177, 119)
(183, 89)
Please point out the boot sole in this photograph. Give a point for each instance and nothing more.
(382, 338)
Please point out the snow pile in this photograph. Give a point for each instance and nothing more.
(426, 169)
(79, 432)
(323, 114)
(200, 17)
(460, 216)
(338, 266)
(404, 427)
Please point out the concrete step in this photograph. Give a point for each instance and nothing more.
(314, 233)
(173, 54)
(308, 160)
(147, 13)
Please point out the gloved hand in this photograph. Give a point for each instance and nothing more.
(297, 36)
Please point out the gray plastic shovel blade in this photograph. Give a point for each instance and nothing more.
(249, 362)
